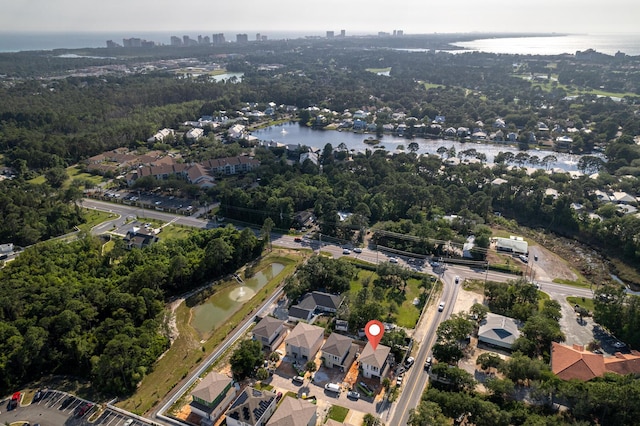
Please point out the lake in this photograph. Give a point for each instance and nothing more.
(293, 133)
(220, 306)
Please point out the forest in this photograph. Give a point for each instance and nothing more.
(75, 309)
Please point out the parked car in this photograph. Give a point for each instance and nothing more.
(298, 379)
(332, 387)
(86, 407)
(68, 400)
(427, 363)
(409, 362)
(399, 379)
(13, 403)
(38, 396)
(128, 422)
(353, 395)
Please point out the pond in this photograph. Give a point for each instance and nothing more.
(220, 306)
(293, 133)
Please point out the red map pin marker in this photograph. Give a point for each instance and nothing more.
(374, 331)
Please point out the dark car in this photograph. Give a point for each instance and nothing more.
(38, 396)
(68, 400)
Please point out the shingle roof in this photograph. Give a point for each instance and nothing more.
(499, 328)
(337, 345)
(250, 405)
(317, 298)
(304, 335)
(375, 358)
(293, 412)
(298, 312)
(267, 326)
(211, 386)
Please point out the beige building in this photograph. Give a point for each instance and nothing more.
(304, 341)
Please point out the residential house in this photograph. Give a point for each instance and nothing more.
(462, 132)
(270, 332)
(294, 412)
(236, 132)
(563, 142)
(304, 218)
(161, 135)
(6, 248)
(251, 408)
(573, 362)
(512, 137)
(450, 132)
(194, 134)
(499, 123)
(339, 351)
(440, 119)
(313, 302)
(212, 396)
(497, 330)
(311, 156)
(197, 174)
(139, 238)
(623, 198)
(375, 363)
(304, 341)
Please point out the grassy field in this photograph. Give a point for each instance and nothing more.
(187, 351)
(580, 282)
(74, 173)
(428, 86)
(408, 313)
(377, 70)
(176, 231)
(94, 217)
(338, 413)
(582, 301)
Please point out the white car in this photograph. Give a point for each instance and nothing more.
(357, 250)
(346, 251)
(393, 260)
(441, 307)
(409, 362)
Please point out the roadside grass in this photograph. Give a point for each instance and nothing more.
(338, 413)
(187, 351)
(475, 286)
(580, 282)
(174, 231)
(93, 218)
(584, 302)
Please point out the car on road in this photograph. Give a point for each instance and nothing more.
(409, 362)
(427, 363)
(298, 380)
(353, 395)
(457, 280)
(297, 239)
(357, 250)
(393, 260)
(346, 251)
(441, 307)
(332, 387)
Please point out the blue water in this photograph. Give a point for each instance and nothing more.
(552, 45)
(294, 134)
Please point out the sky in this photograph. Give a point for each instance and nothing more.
(356, 16)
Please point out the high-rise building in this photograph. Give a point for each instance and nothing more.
(330, 34)
(242, 38)
(132, 42)
(218, 38)
(258, 37)
(176, 41)
(112, 44)
(206, 40)
(343, 33)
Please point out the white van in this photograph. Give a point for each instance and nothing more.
(332, 387)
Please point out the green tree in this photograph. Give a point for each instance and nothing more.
(245, 358)
(428, 414)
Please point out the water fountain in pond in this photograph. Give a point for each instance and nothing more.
(241, 294)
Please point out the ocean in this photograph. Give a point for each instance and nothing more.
(608, 44)
(547, 45)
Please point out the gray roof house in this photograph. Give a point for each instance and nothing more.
(212, 396)
(375, 363)
(294, 412)
(251, 408)
(270, 332)
(304, 341)
(498, 330)
(339, 351)
(312, 302)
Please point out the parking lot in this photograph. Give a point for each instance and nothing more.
(55, 408)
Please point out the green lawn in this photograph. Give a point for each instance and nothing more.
(408, 313)
(428, 86)
(94, 217)
(176, 231)
(582, 301)
(337, 413)
(377, 70)
(578, 283)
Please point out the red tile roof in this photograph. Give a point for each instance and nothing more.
(575, 363)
